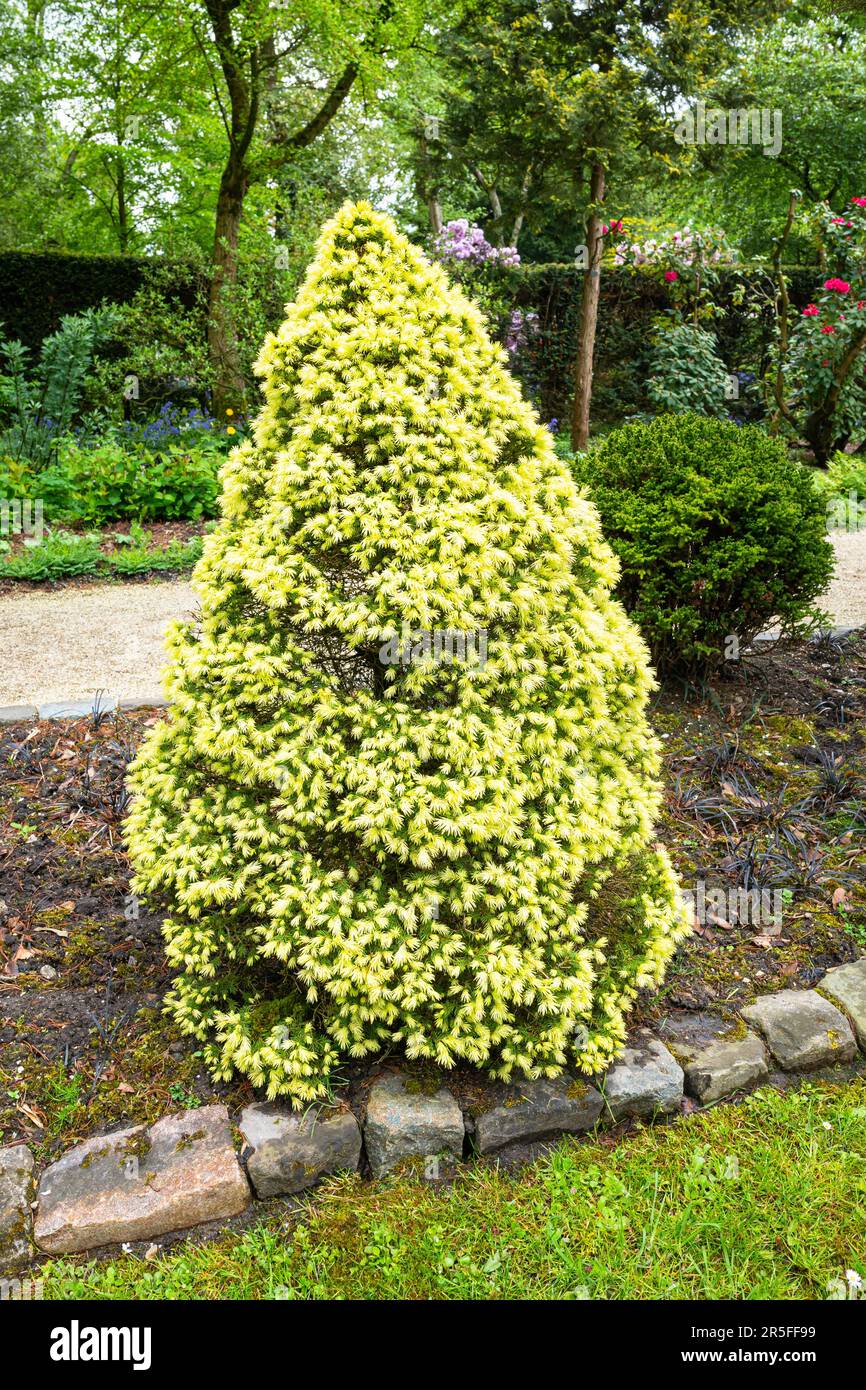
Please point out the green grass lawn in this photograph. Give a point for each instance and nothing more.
(766, 1199)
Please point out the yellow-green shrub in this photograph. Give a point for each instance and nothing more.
(454, 856)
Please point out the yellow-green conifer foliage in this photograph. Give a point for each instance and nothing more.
(367, 836)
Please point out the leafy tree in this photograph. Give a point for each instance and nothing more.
(406, 788)
(812, 71)
(261, 60)
(25, 56)
(181, 128)
(592, 108)
(132, 87)
(107, 109)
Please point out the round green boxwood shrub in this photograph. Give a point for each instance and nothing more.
(363, 843)
(719, 535)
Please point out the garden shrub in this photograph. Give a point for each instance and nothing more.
(113, 482)
(821, 366)
(718, 532)
(38, 404)
(119, 481)
(842, 488)
(361, 840)
(686, 372)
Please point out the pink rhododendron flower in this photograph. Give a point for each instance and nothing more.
(671, 275)
(840, 286)
(861, 202)
(828, 328)
(810, 311)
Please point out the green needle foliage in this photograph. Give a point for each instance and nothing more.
(366, 835)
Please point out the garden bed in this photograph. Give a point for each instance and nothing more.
(82, 555)
(764, 775)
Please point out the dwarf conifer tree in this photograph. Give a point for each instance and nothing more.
(405, 792)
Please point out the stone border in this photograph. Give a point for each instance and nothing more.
(765, 639)
(149, 1181)
(79, 709)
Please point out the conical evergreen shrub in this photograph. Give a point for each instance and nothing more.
(406, 789)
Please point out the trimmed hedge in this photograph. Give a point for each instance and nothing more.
(37, 288)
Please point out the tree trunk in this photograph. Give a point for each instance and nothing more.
(588, 314)
(223, 352)
(492, 195)
(122, 211)
(434, 212)
(426, 186)
(517, 225)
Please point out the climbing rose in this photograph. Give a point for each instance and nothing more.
(841, 286)
(810, 311)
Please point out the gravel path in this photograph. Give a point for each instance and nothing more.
(67, 644)
(846, 596)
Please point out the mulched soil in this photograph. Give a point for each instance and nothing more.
(765, 780)
(764, 774)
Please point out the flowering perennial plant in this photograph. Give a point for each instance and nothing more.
(521, 327)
